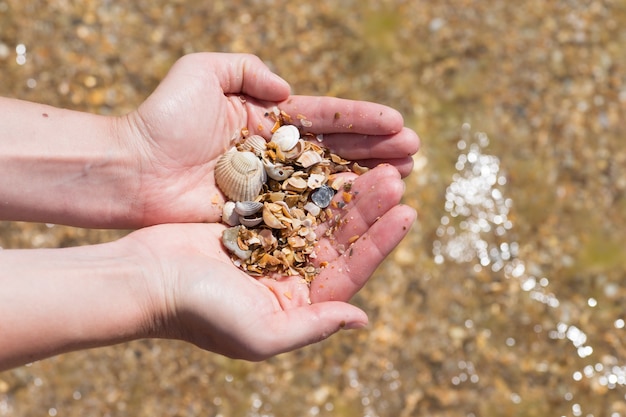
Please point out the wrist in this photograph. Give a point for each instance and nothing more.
(59, 300)
(63, 166)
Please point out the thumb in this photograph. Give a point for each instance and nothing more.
(313, 323)
(247, 74)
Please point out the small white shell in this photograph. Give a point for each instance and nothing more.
(312, 208)
(229, 216)
(286, 137)
(278, 172)
(240, 175)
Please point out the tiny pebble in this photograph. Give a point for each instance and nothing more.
(322, 196)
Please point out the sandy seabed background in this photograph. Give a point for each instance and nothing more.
(507, 297)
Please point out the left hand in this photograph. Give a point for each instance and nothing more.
(203, 103)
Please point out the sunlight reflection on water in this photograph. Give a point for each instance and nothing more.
(475, 231)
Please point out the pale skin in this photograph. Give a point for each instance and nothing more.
(155, 166)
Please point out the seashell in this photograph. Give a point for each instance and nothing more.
(336, 182)
(296, 241)
(278, 172)
(286, 137)
(229, 216)
(315, 181)
(283, 208)
(291, 199)
(294, 152)
(240, 175)
(250, 221)
(267, 239)
(309, 158)
(230, 239)
(312, 208)
(247, 208)
(254, 240)
(358, 169)
(297, 184)
(276, 196)
(322, 196)
(255, 144)
(270, 218)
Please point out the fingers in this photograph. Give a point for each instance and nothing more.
(336, 115)
(347, 274)
(403, 165)
(356, 130)
(357, 146)
(361, 234)
(370, 196)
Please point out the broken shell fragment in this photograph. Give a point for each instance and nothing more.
(270, 219)
(279, 192)
(229, 216)
(358, 169)
(240, 175)
(294, 152)
(312, 208)
(286, 137)
(278, 171)
(309, 158)
(315, 181)
(297, 184)
(230, 239)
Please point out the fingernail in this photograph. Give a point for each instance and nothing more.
(352, 325)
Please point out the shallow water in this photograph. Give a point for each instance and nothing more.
(508, 295)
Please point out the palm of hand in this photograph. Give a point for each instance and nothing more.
(206, 99)
(219, 308)
(186, 124)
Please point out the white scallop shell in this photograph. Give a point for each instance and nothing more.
(240, 175)
(255, 144)
(286, 137)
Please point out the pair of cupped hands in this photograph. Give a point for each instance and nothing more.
(181, 129)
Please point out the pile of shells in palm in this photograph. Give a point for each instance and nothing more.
(278, 193)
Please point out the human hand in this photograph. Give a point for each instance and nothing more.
(206, 300)
(203, 103)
